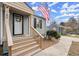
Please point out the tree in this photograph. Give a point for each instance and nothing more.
(78, 24)
(72, 23)
(72, 20)
(70, 26)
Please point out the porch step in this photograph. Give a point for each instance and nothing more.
(22, 47)
(25, 51)
(25, 47)
(33, 53)
(19, 39)
(23, 42)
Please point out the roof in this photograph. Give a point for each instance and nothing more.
(28, 6)
(33, 10)
(53, 25)
(20, 6)
(39, 16)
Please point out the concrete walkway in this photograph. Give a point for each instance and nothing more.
(59, 49)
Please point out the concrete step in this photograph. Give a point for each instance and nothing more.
(25, 51)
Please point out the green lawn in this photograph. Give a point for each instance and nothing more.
(75, 36)
(74, 49)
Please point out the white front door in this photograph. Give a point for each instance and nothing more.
(18, 24)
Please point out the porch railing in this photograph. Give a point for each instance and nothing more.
(39, 38)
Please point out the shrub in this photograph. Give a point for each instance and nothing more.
(52, 33)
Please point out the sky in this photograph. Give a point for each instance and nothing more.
(59, 11)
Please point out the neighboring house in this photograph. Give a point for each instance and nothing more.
(18, 32)
(54, 26)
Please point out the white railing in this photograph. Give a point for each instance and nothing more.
(39, 37)
(37, 32)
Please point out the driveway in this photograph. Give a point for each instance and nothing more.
(59, 49)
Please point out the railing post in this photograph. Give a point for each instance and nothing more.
(41, 43)
(7, 27)
(10, 50)
(31, 24)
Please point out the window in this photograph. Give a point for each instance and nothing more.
(40, 24)
(34, 22)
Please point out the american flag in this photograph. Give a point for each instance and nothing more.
(44, 10)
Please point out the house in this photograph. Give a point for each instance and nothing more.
(54, 26)
(39, 24)
(18, 33)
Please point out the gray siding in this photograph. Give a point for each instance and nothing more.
(43, 29)
(26, 25)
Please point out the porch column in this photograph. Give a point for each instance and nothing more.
(1, 23)
(30, 24)
(7, 27)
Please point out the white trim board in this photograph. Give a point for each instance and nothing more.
(1, 24)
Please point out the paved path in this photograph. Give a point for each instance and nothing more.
(59, 49)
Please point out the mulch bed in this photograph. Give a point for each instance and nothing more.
(74, 49)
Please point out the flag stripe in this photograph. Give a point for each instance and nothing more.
(44, 11)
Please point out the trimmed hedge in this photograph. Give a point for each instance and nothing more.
(53, 33)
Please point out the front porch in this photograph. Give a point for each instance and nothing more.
(16, 25)
(19, 24)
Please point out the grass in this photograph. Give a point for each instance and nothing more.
(71, 35)
(74, 49)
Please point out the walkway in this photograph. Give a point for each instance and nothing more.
(59, 49)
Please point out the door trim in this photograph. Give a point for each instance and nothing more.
(1, 25)
(14, 25)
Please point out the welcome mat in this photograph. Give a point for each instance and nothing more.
(74, 49)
